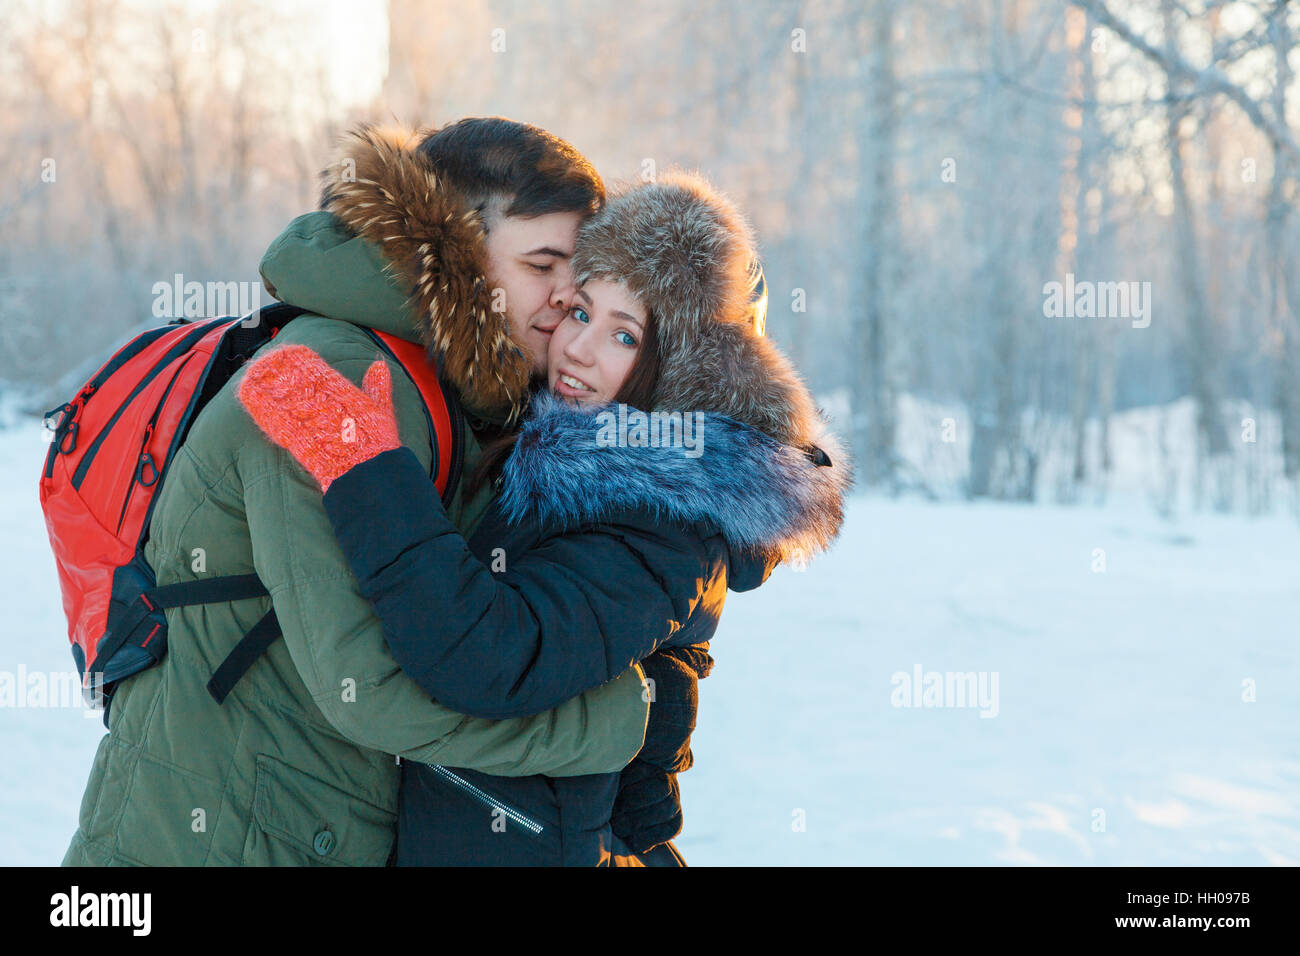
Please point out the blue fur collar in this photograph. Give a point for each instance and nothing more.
(573, 464)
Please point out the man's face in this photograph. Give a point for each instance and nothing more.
(528, 271)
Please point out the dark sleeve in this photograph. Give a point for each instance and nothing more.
(569, 615)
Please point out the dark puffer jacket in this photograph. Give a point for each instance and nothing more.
(591, 558)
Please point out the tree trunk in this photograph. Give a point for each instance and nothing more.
(874, 398)
(1202, 347)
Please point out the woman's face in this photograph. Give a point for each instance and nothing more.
(593, 348)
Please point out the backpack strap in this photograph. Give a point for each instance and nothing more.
(235, 587)
(245, 339)
(442, 411)
(250, 647)
(231, 587)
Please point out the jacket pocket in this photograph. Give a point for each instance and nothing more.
(298, 820)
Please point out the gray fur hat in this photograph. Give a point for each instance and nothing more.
(689, 256)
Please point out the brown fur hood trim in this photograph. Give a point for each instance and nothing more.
(386, 192)
(687, 253)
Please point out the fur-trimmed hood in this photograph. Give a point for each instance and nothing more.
(685, 251)
(382, 189)
(763, 495)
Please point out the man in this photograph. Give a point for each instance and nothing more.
(296, 766)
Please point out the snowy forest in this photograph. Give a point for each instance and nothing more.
(920, 176)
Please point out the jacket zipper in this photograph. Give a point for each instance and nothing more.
(532, 826)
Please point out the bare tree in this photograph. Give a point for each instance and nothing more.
(874, 401)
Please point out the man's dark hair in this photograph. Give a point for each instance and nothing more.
(513, 169)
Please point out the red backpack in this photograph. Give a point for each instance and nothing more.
(111, 450)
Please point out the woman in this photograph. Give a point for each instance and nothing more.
(613, 534)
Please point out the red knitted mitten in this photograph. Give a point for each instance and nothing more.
(316, 414)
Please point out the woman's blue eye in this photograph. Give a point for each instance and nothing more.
(627, 339)
(580, 315)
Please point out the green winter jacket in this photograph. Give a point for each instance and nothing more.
(297, 766)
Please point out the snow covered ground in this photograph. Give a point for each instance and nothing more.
(1121, 735)
(1118, 691)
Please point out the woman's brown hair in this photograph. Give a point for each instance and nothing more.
(637, 391)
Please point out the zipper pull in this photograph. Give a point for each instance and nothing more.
(83, 396)
(146, 460)
(66, 431)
